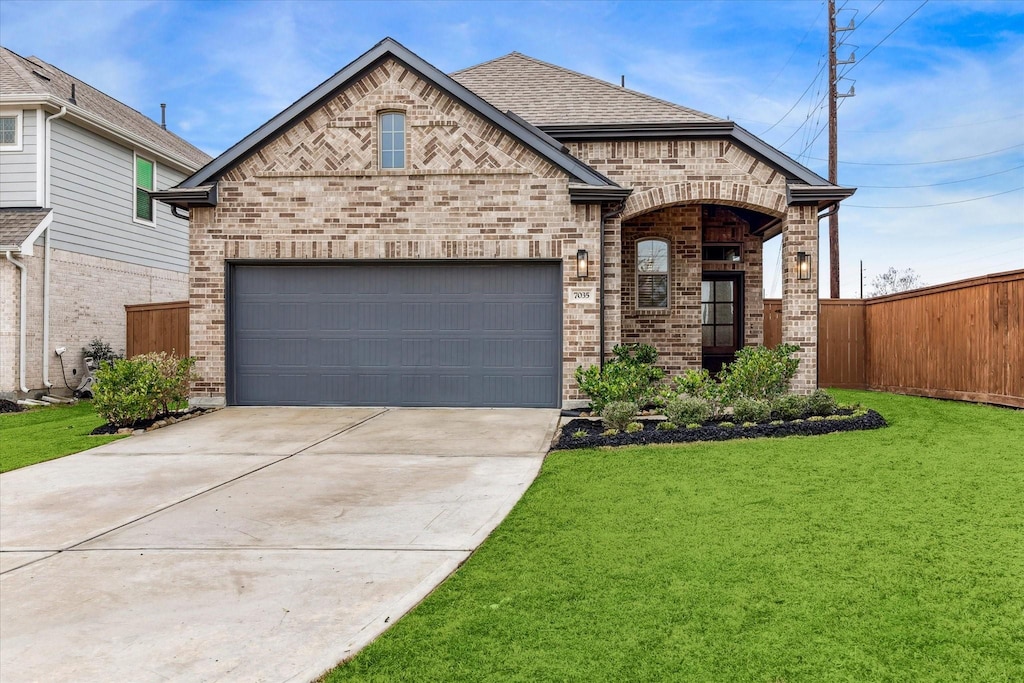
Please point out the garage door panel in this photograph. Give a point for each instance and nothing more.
(460, 334)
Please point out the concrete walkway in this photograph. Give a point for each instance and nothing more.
(253, 544)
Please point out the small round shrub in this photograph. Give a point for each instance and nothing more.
(727, 424)
(693, 425)
(666, 426)
(579, 434)
(749, 424)
(752, 410)
(684, 409)
(618, 414)
(838, 417)
(776, 423)
(634, 427)
(610, 432)
(821, 403)
(789, 407)
(815, 418)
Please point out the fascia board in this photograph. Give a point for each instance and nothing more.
(817, 194)
(383, 49)
(712, 129)
(101, 127)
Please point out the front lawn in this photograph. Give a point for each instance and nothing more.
(887, 555)
(46, 433)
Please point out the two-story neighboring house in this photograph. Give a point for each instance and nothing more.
(80, 236)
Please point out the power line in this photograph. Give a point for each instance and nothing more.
(799, 100)
(854, 65)
(791, 55)
(924, 163)
(889, 130)
(925, 206)
(947, 182)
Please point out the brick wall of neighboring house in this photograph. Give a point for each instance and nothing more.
(87, 300)
(315, 192)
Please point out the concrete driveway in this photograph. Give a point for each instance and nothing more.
(252, 544)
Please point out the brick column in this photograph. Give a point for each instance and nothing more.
(800, 297)
(612, 299)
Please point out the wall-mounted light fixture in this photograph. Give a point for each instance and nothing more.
(803, 266)
(582, 265)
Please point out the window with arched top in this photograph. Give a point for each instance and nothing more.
(652, 274)
(392, 139)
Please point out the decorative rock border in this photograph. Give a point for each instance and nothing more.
(164, 421)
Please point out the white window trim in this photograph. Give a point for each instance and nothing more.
(380, 139)
(135, 189)
(19, 130)
(667, 273)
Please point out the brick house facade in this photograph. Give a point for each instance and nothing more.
(529, 197)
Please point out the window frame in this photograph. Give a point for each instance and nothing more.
(135, 190)
(380, 139)
(667, 273)
(19, 130)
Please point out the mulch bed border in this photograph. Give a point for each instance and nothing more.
(161, 420)
(711, 431)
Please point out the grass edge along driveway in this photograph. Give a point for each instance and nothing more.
(47, 433)
(893, 554)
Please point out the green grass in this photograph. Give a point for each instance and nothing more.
(43, 434)
(887, 555)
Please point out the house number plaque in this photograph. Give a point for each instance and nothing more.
(582, 296)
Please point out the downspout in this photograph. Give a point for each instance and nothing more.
(616, 210)
(46, 252)
(24, 310)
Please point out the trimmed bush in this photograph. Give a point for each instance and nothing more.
(752, 410)
(634, 427)
(684, 410)
(821, 403)
(630, 376)
(789, 407)
(666, 426)
(139, 388)
(618, 414)
(759, 372)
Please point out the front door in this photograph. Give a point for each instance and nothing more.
(721, 311)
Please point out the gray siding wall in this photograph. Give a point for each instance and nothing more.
(18, 169)
(92, 186)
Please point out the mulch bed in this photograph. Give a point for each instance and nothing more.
(9, 406)
(165, 418)
(710, 431)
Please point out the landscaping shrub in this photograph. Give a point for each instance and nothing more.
(697, 384)
(101, 352)
(630, 376)
(821, 403)
(759, 372)
(127, 391)
(634, 427)
(789, 407)
(684, 410)
(619, 414)
(752, 410)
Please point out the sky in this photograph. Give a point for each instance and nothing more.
(933, 137)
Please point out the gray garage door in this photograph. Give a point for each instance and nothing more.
(411, 334)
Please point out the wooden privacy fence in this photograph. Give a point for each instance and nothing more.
(963, 340)
(157, 327)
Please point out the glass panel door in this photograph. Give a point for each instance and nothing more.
(721, 318)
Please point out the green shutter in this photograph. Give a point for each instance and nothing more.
(143, 173)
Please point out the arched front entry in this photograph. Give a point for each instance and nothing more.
(711, 270)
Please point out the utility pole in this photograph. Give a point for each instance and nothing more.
(833, 143)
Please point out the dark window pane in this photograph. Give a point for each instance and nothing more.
(723, 313)
(708, 335)
(707, 313)
(705, 291)
(723, 290)
(723, 335)
(143, 205)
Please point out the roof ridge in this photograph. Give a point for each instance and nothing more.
(594, 79)
(18, 65)
(489, 61)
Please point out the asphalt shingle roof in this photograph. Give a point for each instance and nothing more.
(545, 94)
(32, 76)
(17, 224)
